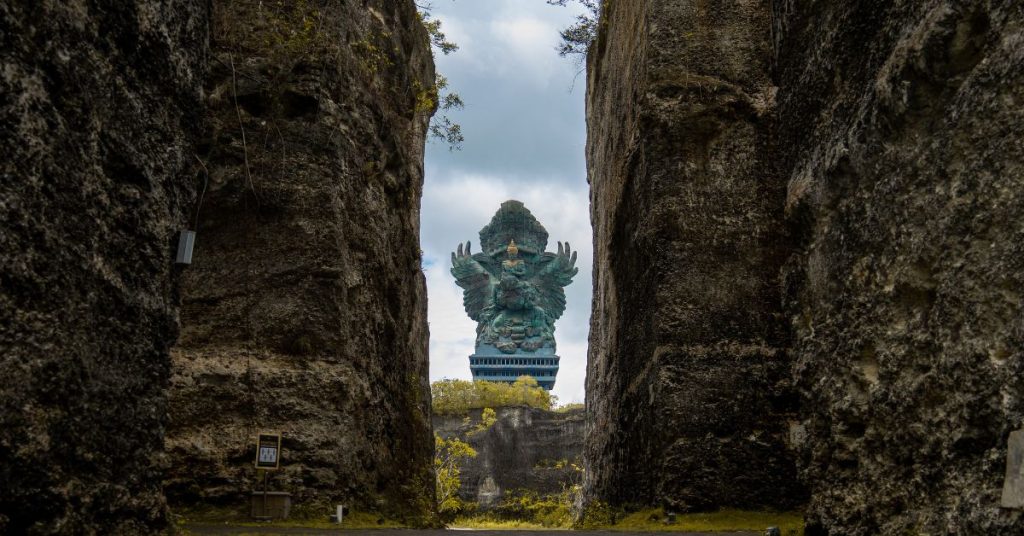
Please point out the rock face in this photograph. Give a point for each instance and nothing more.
(891, 152)
(901, 133)
(525, 449)
(304, 311)
(688, 391)
(99, 105)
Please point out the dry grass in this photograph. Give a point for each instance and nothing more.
(496, 524)
(790, 523)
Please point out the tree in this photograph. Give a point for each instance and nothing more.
(442, 128)
(459, 396)
(576, 38)
(448, 454)
(487, 419)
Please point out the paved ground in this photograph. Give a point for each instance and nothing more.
(228, 529)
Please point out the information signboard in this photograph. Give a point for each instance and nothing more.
(268, 451)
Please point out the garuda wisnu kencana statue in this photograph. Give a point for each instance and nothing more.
(513, 289)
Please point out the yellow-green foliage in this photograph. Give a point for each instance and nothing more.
(596, 514)
(601, 517)
(548, 510)
(448, 454)
(286, 28)
(426, 98)
(526, 509)
(453, 397)
(490, 523)
(433, 26)
(292, 27)
(487, 419)
(523, 509)
(557, 464)
(572, 406)
(373, 57)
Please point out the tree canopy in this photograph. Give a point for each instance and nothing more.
(459, 396)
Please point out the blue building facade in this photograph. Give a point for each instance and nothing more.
(490, 364)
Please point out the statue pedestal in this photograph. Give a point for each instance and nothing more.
(490, 364)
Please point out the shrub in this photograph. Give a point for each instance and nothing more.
(448, 455)
(453, 397)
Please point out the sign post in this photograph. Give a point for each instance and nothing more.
(268, 458)
(268, 451)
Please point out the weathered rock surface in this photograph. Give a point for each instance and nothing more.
(687, 382)
(99, 105)
(891, 150)
(902, 136)
(525, 449)
(304, 311)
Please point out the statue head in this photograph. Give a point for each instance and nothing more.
(512, 248)
(513, 220)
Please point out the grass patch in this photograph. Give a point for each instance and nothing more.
(238, 516)
(482, 522)
(790, 523)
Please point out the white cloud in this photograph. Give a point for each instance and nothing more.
(506, 39)
(524, 137)
(527, 48)
(454, 211)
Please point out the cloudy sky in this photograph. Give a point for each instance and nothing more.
(525, 135)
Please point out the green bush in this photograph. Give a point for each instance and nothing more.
(550, 511)
(455, 397)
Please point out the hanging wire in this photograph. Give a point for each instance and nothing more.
(206, 181)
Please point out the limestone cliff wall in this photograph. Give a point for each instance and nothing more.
(304, 311)
(100, 102)
(688, 392)
(890, 149)
(901, 132)
(525, 449)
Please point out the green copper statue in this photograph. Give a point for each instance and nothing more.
(513, 289)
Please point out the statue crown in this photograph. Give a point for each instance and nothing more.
(513, 221)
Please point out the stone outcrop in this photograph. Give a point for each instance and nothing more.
(99, 105)
(525, 449)
(888, 143)
(901, 135)
(688, 392)
(304, 311)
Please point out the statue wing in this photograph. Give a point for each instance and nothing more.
(476, 280)
(554, 271)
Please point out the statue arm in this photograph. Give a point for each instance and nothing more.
(562, 267)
